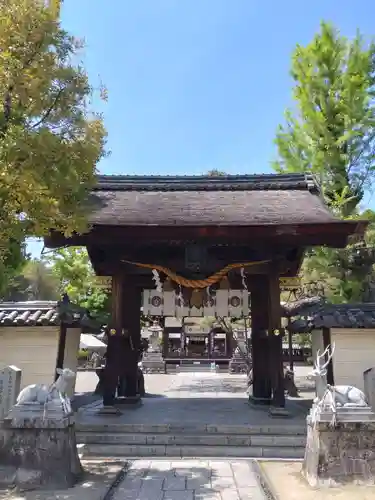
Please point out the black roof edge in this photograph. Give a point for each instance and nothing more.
(305, 182)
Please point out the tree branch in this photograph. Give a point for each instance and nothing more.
(50, 109)
(7, 110)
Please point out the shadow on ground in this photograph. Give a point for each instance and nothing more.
(97, 479)
(185, 479)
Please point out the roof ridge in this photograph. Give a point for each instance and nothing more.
(29, 304)
(251, 182)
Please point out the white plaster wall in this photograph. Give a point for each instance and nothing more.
(33, 350)
(354, 353)
(73, 336)
(317, 344)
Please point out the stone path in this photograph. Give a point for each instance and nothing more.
(194, 399)
(190, 480)
(159, 383)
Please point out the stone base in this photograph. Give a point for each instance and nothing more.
(340, 455)
(237, 365)
(259, 402)
(133, 402)
(153, 362)
(109, 410)
(278, 412)
(38, 449)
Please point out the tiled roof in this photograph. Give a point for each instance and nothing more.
(257, 182)
(322, 315)
(294, 308)
(41, 313)
(204, 200)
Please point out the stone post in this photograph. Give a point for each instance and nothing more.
(38, 448)
(341, 454)
(10, 383)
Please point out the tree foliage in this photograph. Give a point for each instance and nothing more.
(75, 276)
(216, 173)
(11, 264)
(35, 281)
(331, 134)
(50, 143)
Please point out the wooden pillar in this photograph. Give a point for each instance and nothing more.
(117, 299)
(229, 341)
(61, 349)
(259, 339)
(276, 370)
(290, 344)
(275, 340)
(267, 355)
(327, 342)
(165, 339)
(131, 335)
(115, 342)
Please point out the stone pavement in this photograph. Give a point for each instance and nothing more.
(159, 383)
(190, 480)
(194, 399)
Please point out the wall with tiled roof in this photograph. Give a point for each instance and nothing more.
(314, 313)
(44, 313)
(38, 313)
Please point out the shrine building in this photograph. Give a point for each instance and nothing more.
(204, 246)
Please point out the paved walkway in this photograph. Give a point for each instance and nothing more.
(190, 480)
(194, 399)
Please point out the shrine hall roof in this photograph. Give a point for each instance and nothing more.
(228, 200)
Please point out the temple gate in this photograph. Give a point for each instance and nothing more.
(210, 242)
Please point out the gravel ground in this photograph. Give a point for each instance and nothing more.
(287, 483)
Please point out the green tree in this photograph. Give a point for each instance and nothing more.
(35, 282)
(332, 131)
(76, 277)
(331, 134)
(215, 173)
(11, 263)
(50, 143)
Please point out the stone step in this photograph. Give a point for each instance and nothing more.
(140, 451)
(191, 429)
(197, 440)
(194, 368)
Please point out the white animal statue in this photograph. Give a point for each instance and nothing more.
(41, 393)
(333, 396)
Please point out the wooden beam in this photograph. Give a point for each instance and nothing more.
(332, 233)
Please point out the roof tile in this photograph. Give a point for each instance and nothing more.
(316, 314)
(41, 313)
(196, 208)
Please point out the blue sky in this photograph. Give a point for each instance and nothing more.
(197, 84)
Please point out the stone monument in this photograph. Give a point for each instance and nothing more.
(152, 360)
(340, 445)
(37, 438)
(10, 383)
(238, 364)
